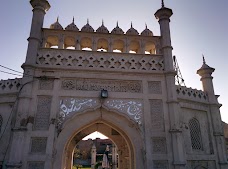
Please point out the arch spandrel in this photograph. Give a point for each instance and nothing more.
(132, 109)
(82, 121)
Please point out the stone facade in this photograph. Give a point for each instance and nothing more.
(154, 123)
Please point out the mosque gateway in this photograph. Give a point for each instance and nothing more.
(121, 84)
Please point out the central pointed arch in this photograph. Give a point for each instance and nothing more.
(83, 124)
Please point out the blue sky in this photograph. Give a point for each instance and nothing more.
(197, 27)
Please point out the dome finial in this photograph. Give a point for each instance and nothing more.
(204, 62)
(102, 22)
(87, 20)
(73, 19)
(131, 25)
(57, 20)
(146, 25)
(117, 24)
(163, 4)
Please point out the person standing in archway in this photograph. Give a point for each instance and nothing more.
(105, 161)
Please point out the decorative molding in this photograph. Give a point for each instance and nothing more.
(43, 113)
(154, 87)
(194, 106)
(132, 108)
(99, 84)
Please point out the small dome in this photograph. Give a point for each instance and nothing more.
(117, 30)
(72, 27)
(132, 31)
(102, 29)
(147, 32)
(56, 25)
(87, 28)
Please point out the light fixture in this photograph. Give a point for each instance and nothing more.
(104, 94)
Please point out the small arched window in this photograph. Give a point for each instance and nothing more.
(1, 121)
(195, 133)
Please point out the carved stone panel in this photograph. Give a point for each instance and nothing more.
(35, 165)
(132, 108)
(46, 84)
(154, 87)
(156, 108)
(201, 164)
(38, 144)
(160, 164)
(99, 84)
(159, 145)
(70, 106)
(43, 113)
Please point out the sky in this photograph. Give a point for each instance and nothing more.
(197, 27)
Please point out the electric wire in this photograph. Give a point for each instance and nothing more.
(22, 74)
(11, 69)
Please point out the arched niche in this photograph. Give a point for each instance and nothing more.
(150, 48)
(82, 124)
(118, 45)
(86, 43)
(69, 42)
(52, 42)
(102, 45)
(134, 47)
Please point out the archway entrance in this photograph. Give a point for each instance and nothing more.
(117, 145)
(118, 128)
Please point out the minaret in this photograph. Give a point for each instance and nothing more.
(35, 39)
(163, 15)
(206, 77)
(93, 156)
(19, 130)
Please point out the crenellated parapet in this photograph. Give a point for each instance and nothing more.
(191, 94)
(10, 86)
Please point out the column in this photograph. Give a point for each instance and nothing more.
(35, 39)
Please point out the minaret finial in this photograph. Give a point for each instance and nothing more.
(163, 4)
(57, 19)
(204, 62)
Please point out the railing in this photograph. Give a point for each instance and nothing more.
(10, 86)
(108, 61)
(191, 94)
